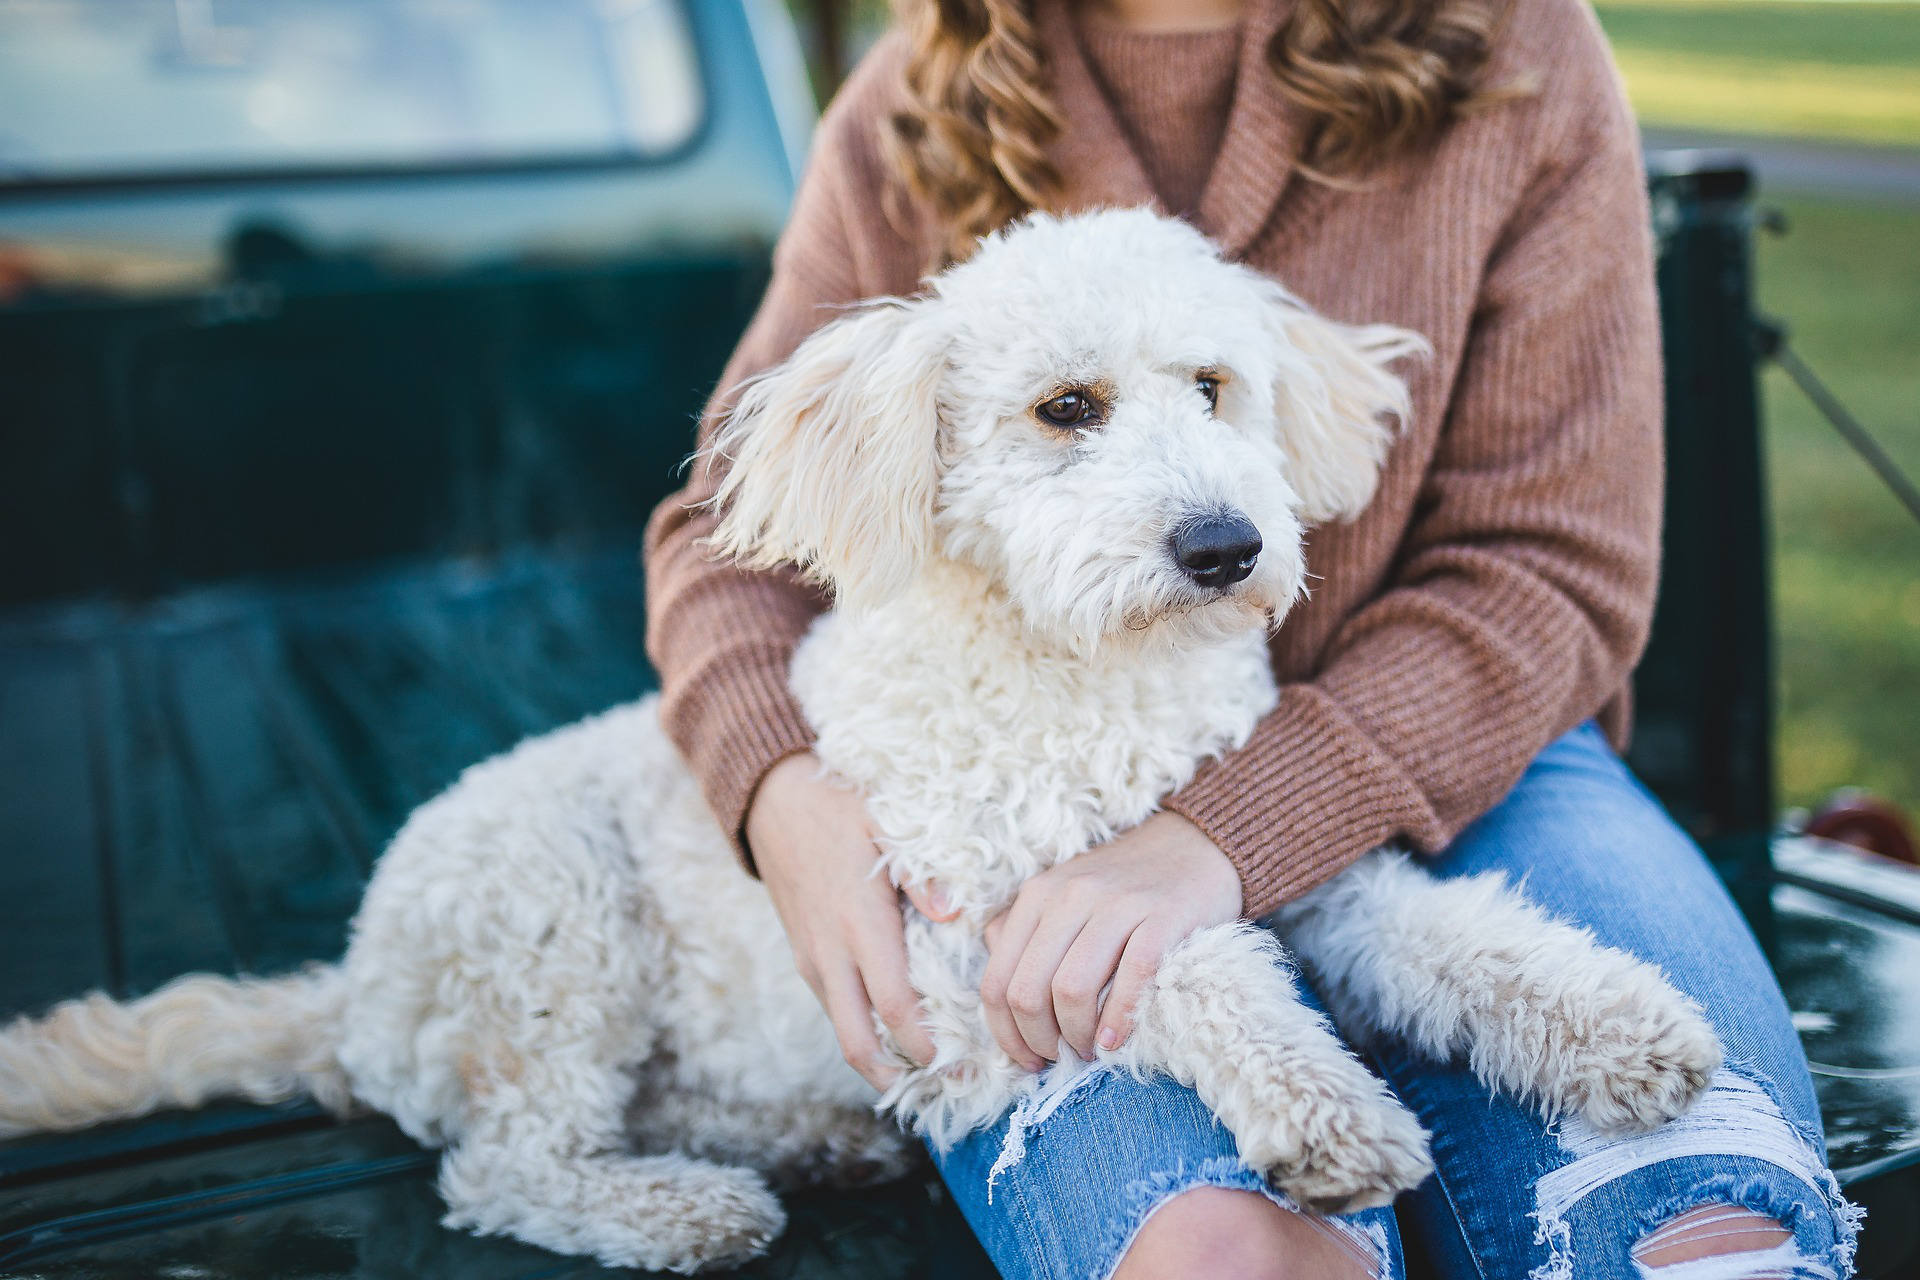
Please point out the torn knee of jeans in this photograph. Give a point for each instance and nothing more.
(1722, 1240)
(1748, 1159)
(1365, 1242)
(1362, 1235)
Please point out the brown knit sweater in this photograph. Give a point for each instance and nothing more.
(1171, 91)
(1498, 590)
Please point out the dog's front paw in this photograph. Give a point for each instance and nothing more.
(1643, 1062)
(1335, 1140)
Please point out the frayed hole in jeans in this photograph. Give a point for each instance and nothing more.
(1722, 1242)
(1737, 1116)
(1364, 1237)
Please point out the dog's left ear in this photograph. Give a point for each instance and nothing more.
(1336, 403)
(833, 456)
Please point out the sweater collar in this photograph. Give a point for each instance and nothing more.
(1099, 166)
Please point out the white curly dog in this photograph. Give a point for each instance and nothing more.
(1059, 498)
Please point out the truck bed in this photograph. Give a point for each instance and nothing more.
(241, 754)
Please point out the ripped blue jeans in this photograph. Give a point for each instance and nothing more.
(1512, 1198)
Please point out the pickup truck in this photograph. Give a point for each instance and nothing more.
(344, 350)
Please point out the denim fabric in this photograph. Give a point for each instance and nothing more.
(1512, 1198)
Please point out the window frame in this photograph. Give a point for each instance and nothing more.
(596, 161)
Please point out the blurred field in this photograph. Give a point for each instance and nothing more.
(1847, 556)
(1847, 278)
(1825, 70)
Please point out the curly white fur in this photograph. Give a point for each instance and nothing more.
(559, 973)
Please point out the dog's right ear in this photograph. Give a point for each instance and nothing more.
(832, 458)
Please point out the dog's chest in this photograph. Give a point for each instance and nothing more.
(984, 762)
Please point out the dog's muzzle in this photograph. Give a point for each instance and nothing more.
(1216, 551)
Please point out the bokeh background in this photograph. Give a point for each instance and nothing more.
(1826, 98)
(1824, 95)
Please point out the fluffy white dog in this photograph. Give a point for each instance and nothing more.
(1060, 500)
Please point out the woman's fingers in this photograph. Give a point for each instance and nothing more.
(1085, 971)
(931, 901)
(1030, 992)
(1110, 915)
(881, 953)
(1006, 941)
(817, 857)
(1139, 961)
(852, 1015)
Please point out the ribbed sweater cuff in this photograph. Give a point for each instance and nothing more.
(753, 722)
(1300, 802)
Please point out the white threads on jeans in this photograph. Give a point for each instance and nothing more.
(1782, 1261)
(1735, 1117)
(1367, 1240)
(1059, 1082)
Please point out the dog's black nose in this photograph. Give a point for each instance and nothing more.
(1217, 551)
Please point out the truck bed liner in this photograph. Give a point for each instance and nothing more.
(239, 757)
(242, 755)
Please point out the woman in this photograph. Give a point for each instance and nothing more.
(1466, 169)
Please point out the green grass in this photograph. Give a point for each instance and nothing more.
(1847, 71)
(1852, 35)
(1846, 554)
(1847, 279)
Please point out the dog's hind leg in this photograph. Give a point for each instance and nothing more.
(659, 1212)
(795, 1143)
(1469, 968)
(1222, 1015)
(543, 1157)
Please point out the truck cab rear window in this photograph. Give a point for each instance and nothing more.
(94, 89)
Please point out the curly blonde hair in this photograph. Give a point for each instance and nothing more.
(1373, 78)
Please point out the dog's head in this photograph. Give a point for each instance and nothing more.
(1125, 432)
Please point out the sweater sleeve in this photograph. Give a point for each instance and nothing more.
(721, 637)
(1522, 593)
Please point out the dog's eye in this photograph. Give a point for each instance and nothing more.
(1209, 385)
(1069, 409)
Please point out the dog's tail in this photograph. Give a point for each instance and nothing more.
(197, 1038)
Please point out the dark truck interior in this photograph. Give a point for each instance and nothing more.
(321, 484)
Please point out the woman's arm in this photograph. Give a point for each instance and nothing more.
(1524, 587)
(721, 637)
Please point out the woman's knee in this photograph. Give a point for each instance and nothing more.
(1717, 1231)
(1240, 1235)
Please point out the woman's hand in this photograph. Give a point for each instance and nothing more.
(815, 851)
(1108, 915)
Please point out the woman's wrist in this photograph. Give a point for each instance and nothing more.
(772, 798)
(1219, 877)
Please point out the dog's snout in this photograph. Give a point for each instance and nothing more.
(1217, 550)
